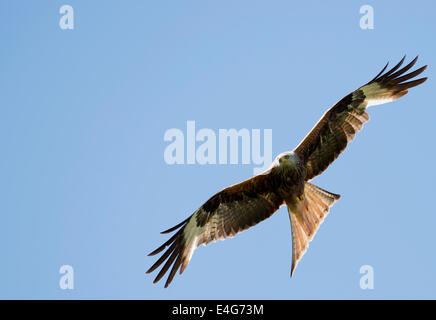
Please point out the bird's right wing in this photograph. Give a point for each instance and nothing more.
(330, 136)
(227, 213)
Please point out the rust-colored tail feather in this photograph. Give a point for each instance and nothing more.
(306, 216)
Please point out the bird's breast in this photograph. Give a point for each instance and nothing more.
(292, 185)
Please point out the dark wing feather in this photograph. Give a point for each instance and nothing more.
(227, 213)
(339, 124)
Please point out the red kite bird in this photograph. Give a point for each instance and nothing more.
(238, 207)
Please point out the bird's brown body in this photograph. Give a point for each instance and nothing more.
(292, 173)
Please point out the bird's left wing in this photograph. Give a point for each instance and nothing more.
(227, 213)
(339, 124)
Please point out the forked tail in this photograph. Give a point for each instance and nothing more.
(306, 215)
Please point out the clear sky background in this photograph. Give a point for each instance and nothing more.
(83, 113)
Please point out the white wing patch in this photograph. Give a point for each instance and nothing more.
(376, 95)
(375, 102)
(192, 232)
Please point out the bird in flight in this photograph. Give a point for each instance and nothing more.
(243, 205)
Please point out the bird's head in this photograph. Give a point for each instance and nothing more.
(287, 159)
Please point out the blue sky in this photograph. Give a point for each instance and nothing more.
(84, 183)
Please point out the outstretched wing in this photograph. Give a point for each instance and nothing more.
(339, 124)
(227, 213)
